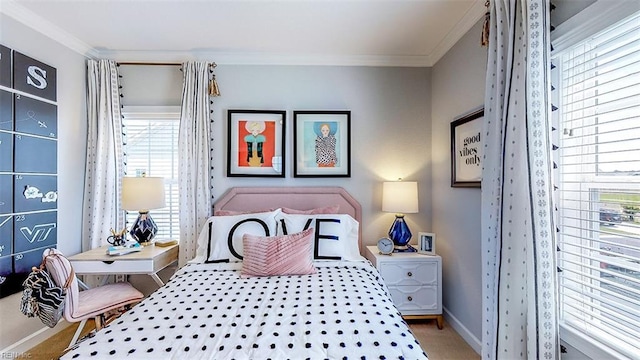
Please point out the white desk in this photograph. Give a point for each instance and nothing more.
(149, 261)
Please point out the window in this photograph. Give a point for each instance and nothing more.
(151, 147)
(598, 97)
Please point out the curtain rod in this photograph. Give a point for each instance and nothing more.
(155, 63)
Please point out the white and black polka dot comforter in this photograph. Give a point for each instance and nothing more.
(207, 311)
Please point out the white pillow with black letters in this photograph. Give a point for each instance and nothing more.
(335, 236)
(221, 237)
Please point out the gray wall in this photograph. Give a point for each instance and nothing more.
(400, 128)
(565, 9)
(390, 132)
(457, 89)
(72, 130)
(391, 136)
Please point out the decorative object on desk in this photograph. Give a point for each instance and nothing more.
(126, 248)
(143, 194)
(166, 242)
(385, 246)
(427, 243)
(466, 150)
(400, 197)
(117, 239)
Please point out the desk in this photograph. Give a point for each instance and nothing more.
(149, 261)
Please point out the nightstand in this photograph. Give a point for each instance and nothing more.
(149, 261)
(414, 282)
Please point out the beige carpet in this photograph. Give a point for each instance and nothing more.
(442, 344)
(438, 344)
(53, 347)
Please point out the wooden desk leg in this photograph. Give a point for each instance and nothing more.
(440, 321)
(157, 279)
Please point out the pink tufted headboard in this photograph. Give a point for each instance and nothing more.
(300, 198)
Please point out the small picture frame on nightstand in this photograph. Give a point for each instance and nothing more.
(427, 243)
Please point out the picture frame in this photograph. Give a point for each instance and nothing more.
(427, 243)
(256, 143)
(322, 144)
(466, 150)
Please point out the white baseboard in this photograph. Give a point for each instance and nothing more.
(27, 343)
(473, 341)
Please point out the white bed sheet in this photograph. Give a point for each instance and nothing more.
(206, 311)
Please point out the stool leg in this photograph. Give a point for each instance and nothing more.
(99, 322)
(77, 334)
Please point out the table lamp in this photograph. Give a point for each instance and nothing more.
(400, 197)
(143, 194)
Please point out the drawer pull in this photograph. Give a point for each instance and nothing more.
(409, 298)
(409, 274)
(107, 262)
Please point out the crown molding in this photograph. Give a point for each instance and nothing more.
(475, 13)
(45, 27)
(226, 58)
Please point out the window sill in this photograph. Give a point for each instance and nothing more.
(587, 346)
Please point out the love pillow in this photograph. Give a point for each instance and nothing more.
(221, 237)
(335, 236)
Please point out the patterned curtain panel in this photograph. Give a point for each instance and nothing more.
(194, 157)
(518, 238)
(104, 168)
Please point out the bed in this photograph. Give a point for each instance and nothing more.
(321, 299)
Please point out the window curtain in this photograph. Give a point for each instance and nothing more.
(104, 166)
(518, 236)
(194, 157)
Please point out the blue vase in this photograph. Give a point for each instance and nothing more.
(144, 228)
(399, 232)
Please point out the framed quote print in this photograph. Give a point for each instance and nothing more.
(256, 143)
(322, 143)
(466, 150)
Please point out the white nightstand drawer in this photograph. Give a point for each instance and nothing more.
(423, 299)
(409, 273)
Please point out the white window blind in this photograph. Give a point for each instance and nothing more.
(151, 147)
(599, 186)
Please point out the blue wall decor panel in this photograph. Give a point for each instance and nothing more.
(6, 194)
(6, 151)
(35, 193)
(6, 235)
(34, 77)
(35, 117)
(5, 66)
(6, 110)
(10, 283)
(28, 166)
(35, 155)
(23, 262)
(35, 231)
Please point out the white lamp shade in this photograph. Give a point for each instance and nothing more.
(142, 193)
(400, 197)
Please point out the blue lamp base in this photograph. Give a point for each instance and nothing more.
(144, 228)
(400, 233)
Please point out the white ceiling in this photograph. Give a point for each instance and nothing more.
(332, 32)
